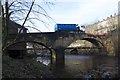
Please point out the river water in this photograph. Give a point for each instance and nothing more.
(77, 66)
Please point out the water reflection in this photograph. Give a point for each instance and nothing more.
(78, 63)
(75, 65)
(45, 60)
(77, 57)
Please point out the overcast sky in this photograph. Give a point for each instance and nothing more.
(79, 11)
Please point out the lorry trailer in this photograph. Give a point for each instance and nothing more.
(66, 27)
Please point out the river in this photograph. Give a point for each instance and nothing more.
(77, 66)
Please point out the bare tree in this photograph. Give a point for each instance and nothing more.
(26, 13)
(18, 9)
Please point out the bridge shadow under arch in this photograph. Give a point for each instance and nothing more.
(97, 43)
(98, 46)
(20, 42)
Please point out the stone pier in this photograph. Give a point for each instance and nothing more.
(58, 56)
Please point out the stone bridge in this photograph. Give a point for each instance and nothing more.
(56, 39)
(62, 39)
(111, 42)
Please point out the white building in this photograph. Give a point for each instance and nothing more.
(104, 26)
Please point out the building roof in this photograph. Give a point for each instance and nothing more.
(14, 24)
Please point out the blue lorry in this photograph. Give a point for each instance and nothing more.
(66, 27)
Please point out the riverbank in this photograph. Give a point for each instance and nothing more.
(101, 71)
(24, 68)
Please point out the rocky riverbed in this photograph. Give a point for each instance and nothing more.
(100, 71)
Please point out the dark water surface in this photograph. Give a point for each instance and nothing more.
(77, 66)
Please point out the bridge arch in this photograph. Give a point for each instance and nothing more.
(19, 42)
(97, 43)
(80, 47)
